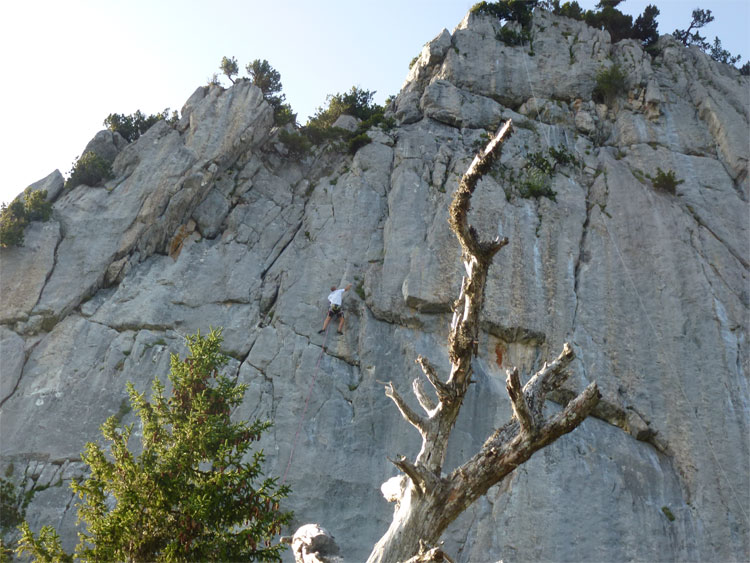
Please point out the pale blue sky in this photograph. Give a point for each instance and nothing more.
(68, 64)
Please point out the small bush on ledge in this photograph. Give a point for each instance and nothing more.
(665, 181)
(610, 83)
(90, 169)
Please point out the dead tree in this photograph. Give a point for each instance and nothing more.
(428, 501)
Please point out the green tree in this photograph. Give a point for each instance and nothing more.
(717, 53)
(700, 19)
(229, 68)
(189, 495)
(646, 27)
(268, 79)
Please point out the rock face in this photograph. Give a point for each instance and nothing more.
(208, 224)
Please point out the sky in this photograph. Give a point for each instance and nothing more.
(67, 64)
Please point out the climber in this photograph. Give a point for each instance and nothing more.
(334, 311)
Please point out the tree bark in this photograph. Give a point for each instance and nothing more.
(430, 501)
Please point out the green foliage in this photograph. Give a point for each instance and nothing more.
(6, 553)
(700, 19)
(12, 224)
(646, 27)
(512, 37)
(265, 77)
(714, 50)
(297, 144)
(357, 142)
(284, 115)
(717, 53)
(31, 206)
(745, 69)
(535, 183)
(229, 68)
(36, 205)
(268, 79)
(319, 129)
(134, 125)
(13, 503)
(90, 170)
(533, 180)
(46, 548)
(608, 17)
(355, 102)
(188, 495)
(619, 25)
(668, 513)
(569, 10)
(508, 10)
(610, 83)
(665, 181)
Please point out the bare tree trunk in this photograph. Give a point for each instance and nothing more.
(429, 501)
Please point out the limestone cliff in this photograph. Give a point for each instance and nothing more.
(211, 223)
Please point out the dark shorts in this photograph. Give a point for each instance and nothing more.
(335, 313)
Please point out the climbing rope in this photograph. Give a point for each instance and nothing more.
(307, 400)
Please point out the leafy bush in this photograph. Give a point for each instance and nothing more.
(90, 170)
(320, 130)
(32, 206)
(36, 204)
(535, 183)
(188, 495)
(355, 102)
(297, 144)
(133, 126)
(357, 142)
(610, 83)
(284, 115)
(665, 181)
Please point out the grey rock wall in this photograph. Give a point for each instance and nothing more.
(208, 224)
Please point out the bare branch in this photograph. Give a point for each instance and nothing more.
(426, 402)
(422, 478)
(442, 390)
(413, 418)
(459, 209)
(550, 377)
(429, 554)
(573, 413)
(518, 402)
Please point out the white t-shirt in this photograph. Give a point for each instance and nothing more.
(336, 296)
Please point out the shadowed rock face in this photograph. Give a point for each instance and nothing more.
(210, 224)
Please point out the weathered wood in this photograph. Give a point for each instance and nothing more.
(430, 502)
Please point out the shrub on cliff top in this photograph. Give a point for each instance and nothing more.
(31, 206)
(134, 125)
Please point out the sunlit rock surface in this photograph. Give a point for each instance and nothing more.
(210, 224)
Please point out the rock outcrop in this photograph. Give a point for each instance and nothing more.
(210, 224)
